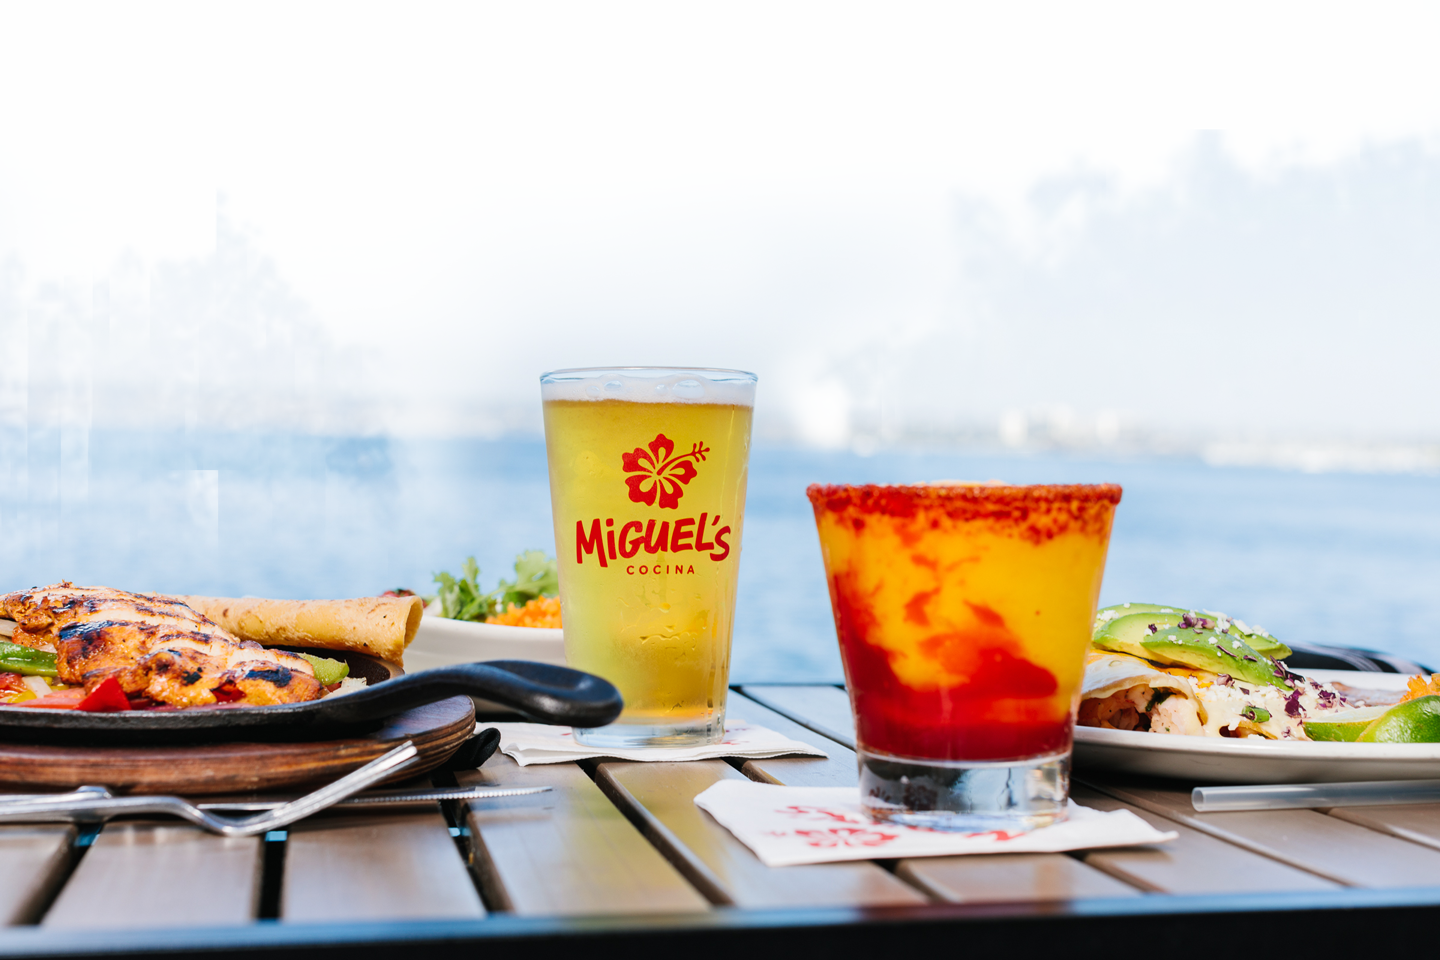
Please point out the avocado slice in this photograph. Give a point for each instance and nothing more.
(1125, 634)
(1259, 640)
(1216, 652)
(1106, 614)
(1108, 621)
(1262, 643)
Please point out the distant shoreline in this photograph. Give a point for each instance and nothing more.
(1051, 428)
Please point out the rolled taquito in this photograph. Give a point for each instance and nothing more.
(379, 626)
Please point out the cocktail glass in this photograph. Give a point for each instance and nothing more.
(647, 485)
(963, 613)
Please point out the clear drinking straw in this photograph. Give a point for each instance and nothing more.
(1294, 796)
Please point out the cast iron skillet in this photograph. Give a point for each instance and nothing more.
(542, 692)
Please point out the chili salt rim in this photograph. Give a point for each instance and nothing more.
(873, 496)
(1048, 508)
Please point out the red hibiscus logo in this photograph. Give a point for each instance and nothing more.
(659, 474)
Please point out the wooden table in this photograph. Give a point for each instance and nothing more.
(619, 853)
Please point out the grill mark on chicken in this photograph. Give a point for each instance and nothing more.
(276, 675)
(278, 684)
(154, 646)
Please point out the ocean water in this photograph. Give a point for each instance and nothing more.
(1343, 559)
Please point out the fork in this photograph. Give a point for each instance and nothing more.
(97, 804)
(380, 798)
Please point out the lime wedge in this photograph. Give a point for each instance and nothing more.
(1343, 725)
(1415, 721)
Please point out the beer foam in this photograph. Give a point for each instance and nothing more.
(652, 385)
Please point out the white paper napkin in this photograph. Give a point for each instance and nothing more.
(786, 826)
(531, 743)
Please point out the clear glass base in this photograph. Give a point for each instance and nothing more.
(629, 736)
(969, 796)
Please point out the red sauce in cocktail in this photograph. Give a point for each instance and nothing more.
(945, 723)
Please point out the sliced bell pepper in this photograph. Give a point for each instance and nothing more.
(29, 668)
(26, 660)
(227, 692)
(59, 700)
(105, 698)
(328, 671)
(13, 689)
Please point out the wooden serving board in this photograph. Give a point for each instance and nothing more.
(436, 729)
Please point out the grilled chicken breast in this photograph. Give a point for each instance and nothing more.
(41, 612)
(153, 646)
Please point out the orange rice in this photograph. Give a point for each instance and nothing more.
(540, 612)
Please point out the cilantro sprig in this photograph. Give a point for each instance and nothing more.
(461, 598)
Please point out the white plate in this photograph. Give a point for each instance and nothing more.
(1253, 760)
(440, 643)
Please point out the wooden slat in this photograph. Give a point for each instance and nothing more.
(1010, 877)
(382, 866)
(145, 875)
(824, 709)
(662, 795)
(569, 851)
(1193, 863)
(1327, 846)
(1416, 822)
(838, 770)
(33, 860)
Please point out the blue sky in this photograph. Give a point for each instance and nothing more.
(1216, 219)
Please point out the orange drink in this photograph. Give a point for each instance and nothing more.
(963, 613)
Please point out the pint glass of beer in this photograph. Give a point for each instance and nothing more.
(647, 484)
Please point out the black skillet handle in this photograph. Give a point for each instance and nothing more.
(544, 693)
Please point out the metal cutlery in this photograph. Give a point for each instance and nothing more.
(372, 798)
(97, 804)
(390, 797)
